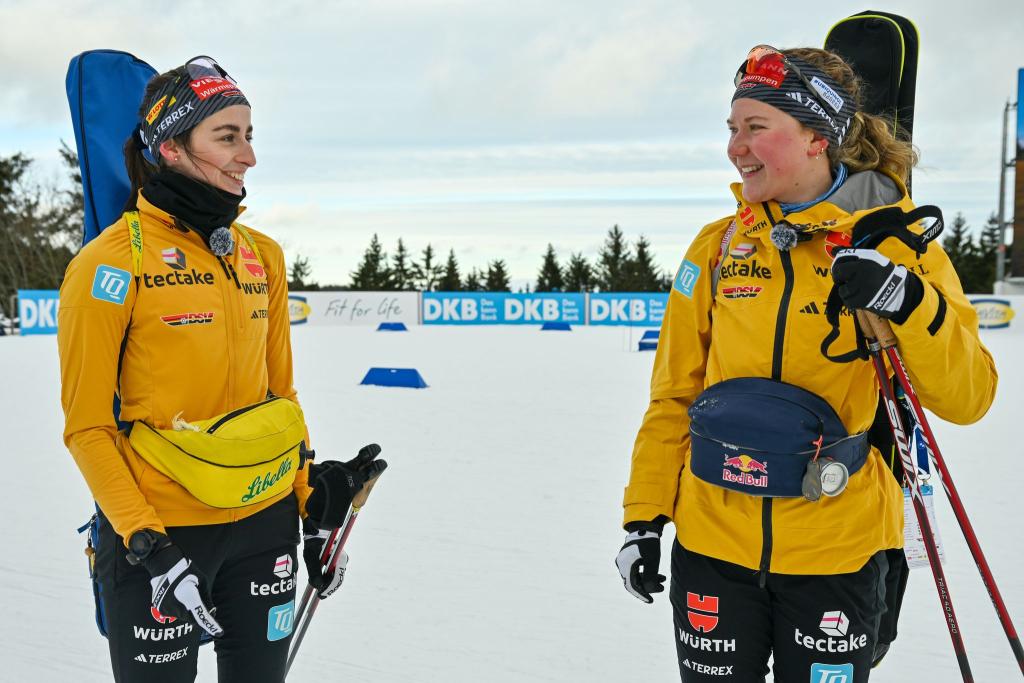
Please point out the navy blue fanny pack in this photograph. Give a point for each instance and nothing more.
(757, 436)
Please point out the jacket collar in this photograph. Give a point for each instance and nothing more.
(861, 194)
(153, 211)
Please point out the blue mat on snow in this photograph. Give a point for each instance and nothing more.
(395, 377)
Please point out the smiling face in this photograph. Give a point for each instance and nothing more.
(776, 156)
(220, 150)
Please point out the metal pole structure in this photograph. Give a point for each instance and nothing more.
(1001, 213)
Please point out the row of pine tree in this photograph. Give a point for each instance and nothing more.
(620, 267)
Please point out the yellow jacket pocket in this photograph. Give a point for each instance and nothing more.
(232, 460)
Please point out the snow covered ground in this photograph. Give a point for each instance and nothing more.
(486, 552)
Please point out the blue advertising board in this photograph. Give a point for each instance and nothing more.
(502, 308)
(37, 310)
(628, 308)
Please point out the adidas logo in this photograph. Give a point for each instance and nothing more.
(811, 308)
(141, 658)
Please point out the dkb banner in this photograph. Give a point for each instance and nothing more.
(638, 308)
(37, 310)
(502, 308)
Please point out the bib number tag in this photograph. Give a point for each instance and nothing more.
(913, 541)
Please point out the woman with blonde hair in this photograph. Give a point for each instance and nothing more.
(755, 444)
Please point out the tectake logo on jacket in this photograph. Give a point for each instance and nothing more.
(177, 278)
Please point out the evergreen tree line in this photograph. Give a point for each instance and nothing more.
(974, 261)
(40, 226)
(619, 267)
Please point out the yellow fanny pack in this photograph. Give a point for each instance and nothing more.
(233, 460)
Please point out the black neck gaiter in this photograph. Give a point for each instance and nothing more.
(195, 204)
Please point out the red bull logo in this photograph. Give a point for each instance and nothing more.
(747, 467)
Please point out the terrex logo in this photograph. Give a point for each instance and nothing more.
(173, 257)
(162, 658)
(746, 465)
(835, 625)
(179, 113)
(814, 308)
(702, 612)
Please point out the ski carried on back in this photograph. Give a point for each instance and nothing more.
(883, 50)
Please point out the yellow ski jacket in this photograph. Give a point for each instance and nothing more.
(194, 334)
(766, 318)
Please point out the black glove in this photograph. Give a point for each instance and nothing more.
(869, 281)
(179, 589)
(321, 578)
(639, 558)
(336, 483)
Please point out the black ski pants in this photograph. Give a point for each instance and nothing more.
(821, 629)
(251, 567)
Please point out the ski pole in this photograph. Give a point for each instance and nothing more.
(877, 339)
(330, 557)
(325, 559)
(887, 340)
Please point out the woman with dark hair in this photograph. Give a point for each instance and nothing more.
(755, 444)
(201, 479)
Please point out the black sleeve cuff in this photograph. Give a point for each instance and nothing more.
(656, 525)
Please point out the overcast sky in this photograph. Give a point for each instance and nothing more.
(495, 127)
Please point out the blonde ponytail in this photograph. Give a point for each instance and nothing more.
(870, 144)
